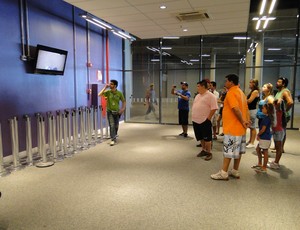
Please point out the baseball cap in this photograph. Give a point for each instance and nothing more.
(184, 83)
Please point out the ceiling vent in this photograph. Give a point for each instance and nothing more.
(193, 16)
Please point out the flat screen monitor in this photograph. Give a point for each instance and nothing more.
(50, 60)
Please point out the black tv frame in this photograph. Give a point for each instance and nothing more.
(54, 51)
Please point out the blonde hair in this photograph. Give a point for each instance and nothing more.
(270, 88)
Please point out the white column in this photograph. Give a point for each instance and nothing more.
(213, 66)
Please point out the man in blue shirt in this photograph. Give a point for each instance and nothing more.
(183, 106)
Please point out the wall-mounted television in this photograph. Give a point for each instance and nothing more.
(50, 60)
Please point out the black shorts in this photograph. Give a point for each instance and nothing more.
(183, 117)
(203, 131)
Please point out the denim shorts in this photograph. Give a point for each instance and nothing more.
(278, 135)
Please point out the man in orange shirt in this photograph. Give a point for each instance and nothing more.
(235, 122)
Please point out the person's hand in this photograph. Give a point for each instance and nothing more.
(174, 86)
(257, 138)
(246, 124)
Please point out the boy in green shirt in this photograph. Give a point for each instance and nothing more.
(113, 97)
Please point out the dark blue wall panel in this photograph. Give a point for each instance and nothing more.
(57, 24)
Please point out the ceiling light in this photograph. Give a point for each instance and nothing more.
(91, 19)
(266, 23)
(258, 24)
(171, 37)
(102, 23)
(96, 24)
(155, 59)
(166, 48)
(241, 38)
(194, 60)
(163, 7)
(166, 54)
(268, 60)
(205, 55)
(262, 7)
(272, 6)
(185, 30)
(274, 49)
(120, 35)
(125, 35)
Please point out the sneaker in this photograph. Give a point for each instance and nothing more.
(199, 145)
(260, 170)
(250, 146)
(112, 143)
(202, 154)
(185, 135)
(181, 134)
(273, 165)
(219, 176)
(234, 173)
(222, 134)
(208, 157)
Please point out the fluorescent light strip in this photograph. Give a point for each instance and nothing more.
(257, 24)
(89, 20)
(262, 8)
(120, 35)
(154, 60)
(274, 49)
(102, 23)
(242, 38)
(166, 54)
(194, 60)
(268, 60)
(266, 24)
(272, 6)
(126, 35)
(166, 48)
(170, 37)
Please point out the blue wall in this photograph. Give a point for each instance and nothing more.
(57, 24)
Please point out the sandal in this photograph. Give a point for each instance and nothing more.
(256, 166)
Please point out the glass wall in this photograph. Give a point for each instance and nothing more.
(264, 55)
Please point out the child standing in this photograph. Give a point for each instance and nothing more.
(264, 137)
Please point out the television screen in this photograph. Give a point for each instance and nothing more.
(50, 60)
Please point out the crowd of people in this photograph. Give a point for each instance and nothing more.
(237, 112)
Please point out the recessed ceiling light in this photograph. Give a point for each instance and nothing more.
(163, 7)
(185, 30)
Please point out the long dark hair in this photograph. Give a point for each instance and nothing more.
(270, 110)
(255, 86)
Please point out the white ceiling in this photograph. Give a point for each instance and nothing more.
(144, 18)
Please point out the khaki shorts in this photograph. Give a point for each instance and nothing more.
(264, 144)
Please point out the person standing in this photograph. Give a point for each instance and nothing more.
(235, 123)
(151, 101)
(278, 134)
(213, 86)
(252, 100)
(204, 107)
(221, 102)
(284, 94)
(183, 106)
(113, 97)
(264, 137)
